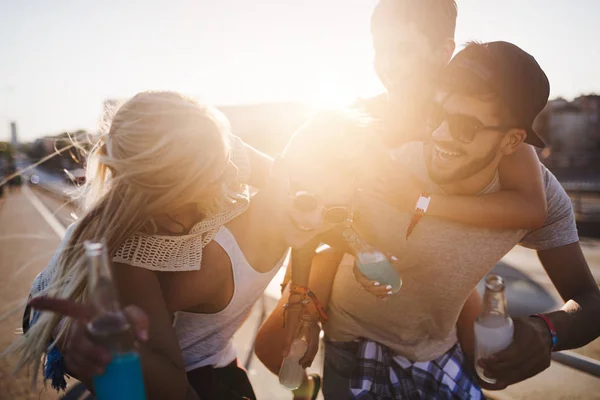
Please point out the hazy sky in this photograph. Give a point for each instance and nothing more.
(61, 58)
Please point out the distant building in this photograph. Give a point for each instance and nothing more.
(14, 140)
(571, 131)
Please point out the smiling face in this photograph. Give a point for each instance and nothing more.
(412, 41)
(407, 65)
(404, 60)
(466, 140)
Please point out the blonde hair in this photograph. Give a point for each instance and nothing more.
(161, 149)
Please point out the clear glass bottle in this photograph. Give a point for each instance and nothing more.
(292, 373)
(122, 378)
(373, 263)
(493, 327)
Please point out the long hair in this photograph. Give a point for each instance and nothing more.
(161, 150)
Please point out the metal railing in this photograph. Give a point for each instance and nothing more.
(578, 362)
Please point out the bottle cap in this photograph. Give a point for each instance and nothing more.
(494, 283)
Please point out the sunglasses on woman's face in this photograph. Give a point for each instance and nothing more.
(462, 127)
(305, 202)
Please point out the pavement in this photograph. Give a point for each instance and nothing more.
(27, 243)
(30, 226)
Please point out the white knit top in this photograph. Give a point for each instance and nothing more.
(184, 252)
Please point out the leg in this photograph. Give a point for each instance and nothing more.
(340, 361)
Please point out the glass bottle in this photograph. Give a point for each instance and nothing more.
(122, 378)
(373, 263)
(493, 327)
(291, 374)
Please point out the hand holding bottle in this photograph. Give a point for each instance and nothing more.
(84, 357)
(376, 272)
(312, 337)
(291, 373)
(374, 287)
(508, 350)
(528, 354)
(293, 323)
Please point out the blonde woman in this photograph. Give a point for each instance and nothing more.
(169, 206)
(166, 164)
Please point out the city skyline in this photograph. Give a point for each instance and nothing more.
(66, 57)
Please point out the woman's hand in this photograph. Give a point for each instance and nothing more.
(292, 325)
(313, 345)
(377, 289)
(83, 357)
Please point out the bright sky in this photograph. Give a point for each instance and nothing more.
(61, 58)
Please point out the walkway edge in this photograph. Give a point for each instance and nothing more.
(56, 226)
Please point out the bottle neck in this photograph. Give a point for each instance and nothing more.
(109, 326)
(356, 243)
(494, 304)
(101, 287)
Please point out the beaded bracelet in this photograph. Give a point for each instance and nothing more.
(303, 292)
(550, 326)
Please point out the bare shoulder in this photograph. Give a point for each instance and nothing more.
(187, 289)
(137, 277)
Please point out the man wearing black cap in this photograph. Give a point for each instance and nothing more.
(489, 96)
(504, 89)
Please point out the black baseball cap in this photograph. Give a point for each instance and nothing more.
(508, 71)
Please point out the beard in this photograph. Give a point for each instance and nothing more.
(461, 173)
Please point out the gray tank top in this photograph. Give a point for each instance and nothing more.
(207, 339)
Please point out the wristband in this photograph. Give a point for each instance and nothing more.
(297, 289)
(551, 329)
(420, 210)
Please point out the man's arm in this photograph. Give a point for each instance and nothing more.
(521, 204)
(578, 321)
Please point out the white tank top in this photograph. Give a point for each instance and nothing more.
(207, 339)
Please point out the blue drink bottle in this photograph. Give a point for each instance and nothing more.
(122, 378)
(373, 263)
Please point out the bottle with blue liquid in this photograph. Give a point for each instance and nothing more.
(122, 378)
(373, 263)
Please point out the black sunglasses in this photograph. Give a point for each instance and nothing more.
(303, 201)
(462, 127)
